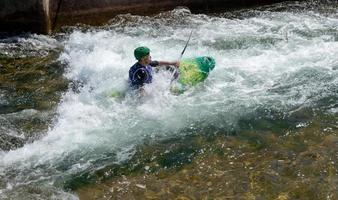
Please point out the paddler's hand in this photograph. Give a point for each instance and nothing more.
(177, 64)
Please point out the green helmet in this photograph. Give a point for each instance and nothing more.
(140, 52)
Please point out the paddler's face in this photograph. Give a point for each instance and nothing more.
(146, 59)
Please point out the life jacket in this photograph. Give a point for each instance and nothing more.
(138, 74)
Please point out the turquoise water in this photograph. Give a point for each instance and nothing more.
(271, 63)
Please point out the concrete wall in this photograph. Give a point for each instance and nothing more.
(43, 16)
(100, 11)
(25, 15)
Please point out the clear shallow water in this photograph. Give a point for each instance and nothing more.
(267, 62)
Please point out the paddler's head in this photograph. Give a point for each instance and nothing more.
(142, 54)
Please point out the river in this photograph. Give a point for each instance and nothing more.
(276, 70)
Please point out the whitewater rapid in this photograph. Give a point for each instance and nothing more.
(273, 60)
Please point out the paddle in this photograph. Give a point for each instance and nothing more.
(185, 47)
(175, 73)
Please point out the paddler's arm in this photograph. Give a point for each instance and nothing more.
(175, 63)
(164, 63)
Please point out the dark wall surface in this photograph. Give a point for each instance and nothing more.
(44, 16)
(25, 15)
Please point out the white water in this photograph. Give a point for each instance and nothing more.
(279, 61)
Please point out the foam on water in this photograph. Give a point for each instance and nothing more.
(27, 45)
(275, 60)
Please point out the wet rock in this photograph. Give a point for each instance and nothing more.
(30, 89)
(8, 142)
(331, 141)
(141, 186)
(232, 168)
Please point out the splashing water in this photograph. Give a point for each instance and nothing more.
(272, 60)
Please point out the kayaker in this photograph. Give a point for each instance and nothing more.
(141, 72)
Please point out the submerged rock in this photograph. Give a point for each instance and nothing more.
(8, 142)
(232, 167)
(30, 90)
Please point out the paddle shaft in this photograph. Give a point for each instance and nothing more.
(186, 45)
(175, 73)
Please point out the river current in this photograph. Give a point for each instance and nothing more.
(270, 63)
